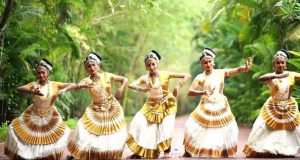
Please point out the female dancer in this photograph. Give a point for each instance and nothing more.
(39, 133)
(101, 131)
(276, 131)
(211, 130)
(151, 128)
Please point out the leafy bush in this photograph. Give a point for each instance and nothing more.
(3, 131)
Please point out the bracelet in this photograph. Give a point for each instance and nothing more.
(138, 89)
(181, 83)
(63, 91)
(242, 69)
(78, 86)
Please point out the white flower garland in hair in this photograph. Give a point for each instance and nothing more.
(281, 54)
(44, 63)
(207, 52)
(94, 57)
(153, 56)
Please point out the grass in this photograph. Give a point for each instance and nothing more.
(71, 123)
(128, 118)
(3, 131)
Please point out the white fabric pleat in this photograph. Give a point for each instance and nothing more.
(110, 142)
(216, 138)
(265, 139)
(32, 151)
(149, 135)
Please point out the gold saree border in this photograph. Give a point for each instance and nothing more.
(147, 153)
(55, 117)
(209, 152)
(269, 113)
(53, 156)
(93, 153)
(113, 127)
(46, 138)
(155, 113)
(251, 153)
(212, 123)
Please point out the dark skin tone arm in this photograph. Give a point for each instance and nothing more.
(25, 89)
(184, 77)
(245, 68)
(194, 92)
(123, 81)
(269, 77)
(66, 87)
(119, 93)
(140, 89)
(297, 76)
(36, 91)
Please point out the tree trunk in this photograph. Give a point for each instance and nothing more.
(141, 40)
(5, 16)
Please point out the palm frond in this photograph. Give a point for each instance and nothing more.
(293, 34)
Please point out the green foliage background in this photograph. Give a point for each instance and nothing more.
(237, 29)
(123, 31)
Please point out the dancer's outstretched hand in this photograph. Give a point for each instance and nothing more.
(248, 64)
(37, 91)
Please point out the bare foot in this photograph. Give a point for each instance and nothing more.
(134, 156)
(167, 155)
(186, 154)
(168, 150)
(70, 157)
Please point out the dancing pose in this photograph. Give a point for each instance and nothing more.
(211, 130)
(276, 131)
(101, 131)
(151, 128)
(39, 133)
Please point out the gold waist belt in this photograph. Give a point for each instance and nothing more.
(42, 111)
(103, 106)
(160, 100)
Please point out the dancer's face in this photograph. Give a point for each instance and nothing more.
(92, 67)
(279, 65)
(207, 64)
(151, 66)
(42, 74)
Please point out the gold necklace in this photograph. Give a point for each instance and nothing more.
(95, 78)
(152, 81)
(39, 86)
(97, 84)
